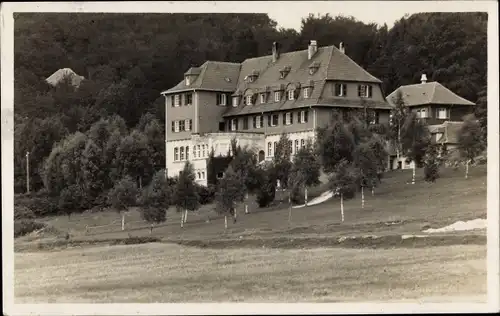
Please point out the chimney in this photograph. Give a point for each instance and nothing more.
(423, 79)
(311, 50)
(341, 47)
(276, 51)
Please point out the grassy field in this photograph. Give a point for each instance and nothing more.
(396, 208)
(169, 273)
(267, 264)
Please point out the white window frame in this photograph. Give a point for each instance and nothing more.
(176, 126)
(223, 99)
(181, 153)
(288, 118)
(291, 95)
(423, 113)
(248, 100)
(302, 117)
(296, 146)
(176, 154)
(277, 96)
(258, 121)
(198, 149)
(272, 117)
(368, 91)
(269, 149)
(235, 101)
(177, 100)
(306, 93)
(342, 89)
(186, 98)
(204, 152)
(262, 98)
(188, 80)
(187, 125)
(445, 113)
(302, 143)
(233, 125)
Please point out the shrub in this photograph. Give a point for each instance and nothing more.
(206, 194)
(26, 226)
(23, 212)
(40, 203)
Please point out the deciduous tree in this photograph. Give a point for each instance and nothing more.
(186, 195)
(470, 141)
(343, 181)
(230, 191)
(123, 196)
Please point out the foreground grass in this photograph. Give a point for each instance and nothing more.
(170, 273)
(396, 208)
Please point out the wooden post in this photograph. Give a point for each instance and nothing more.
(186, 216)
(305, 196)
(362, 197)
(342, 206)
(413, 176)
(225, 221)
(467, 169)
(27, 172)
(123, 221)
(182, 219)
(289, 208)
(246, 203)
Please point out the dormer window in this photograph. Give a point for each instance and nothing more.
(284, 72)
(313, 68)
(262, 98)
(340, 89)
(253, 76)
(277, 96)
(188, 80)
(248, 100)
(291, 94)
(236, 100)
(306, 93)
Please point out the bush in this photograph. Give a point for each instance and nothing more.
(40, 203)
(26, 226)
(266, 194)
(298, 196)
(23, 212)
(206, 194)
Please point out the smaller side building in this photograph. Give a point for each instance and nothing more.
(439, 107)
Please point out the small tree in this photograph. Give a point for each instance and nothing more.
(186, 195)
(123, 196)
(366, 163)
(376, 144)
(230, 191)
(244, 163)
(399, 115)
(305, 169)
(267, 186)
(470, 142)
(415, 138)
(334, 144)
(281, 160)
(156, 198)
(431, 163)
(343, 181)
(72, 199)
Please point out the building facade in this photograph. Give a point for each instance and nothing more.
(259, 99)
(439, 107)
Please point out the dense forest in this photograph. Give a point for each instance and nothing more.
(115, 119)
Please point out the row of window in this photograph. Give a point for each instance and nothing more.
(181, 99)
(292, 94)
(441, 113)
(182, 153)
(200, 175)
(272, 120)
(182, 125)
(271, 147)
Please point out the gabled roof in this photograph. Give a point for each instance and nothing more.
(213, 75)
(427, 93)
(63, 73)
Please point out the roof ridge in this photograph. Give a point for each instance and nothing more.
(287, 53)
(355, 63)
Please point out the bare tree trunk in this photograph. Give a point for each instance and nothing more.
(305, 196)
(399, 141)
(342, 206)
(289, 208)
(362, 197)
(182, 220)
(467, 169)
(185, 216)
(246, 203)
(225, 221)
(413, 176)
(123, 221)
(151, 229)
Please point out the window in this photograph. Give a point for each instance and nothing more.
(245, 123)
(269, 149)
(291, 95)
(187, 152)
(176, 128)
(182, 125)
(204, 153)
(290, 145)
(374, 118)
(273, 120)
(235, 101)
(275, 147)
(422, 113)
(364, 91)
(303, 117)
(262, 98)
(189, 99)
(173, 126)
(442, 113)
(306, 93)
(182, 153)
(221, 99)
(258, 121)
(340, 90)
(176, 100)
(198, 151)
(176, 154)
(248, 100)
(203, 175)
(276, 96)
(188, 125)
(172, 101)
(302, 143)
(296, 146)
(234, 124)
(288, 118)
(188, 81)
(220, 175)
(199, 175)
